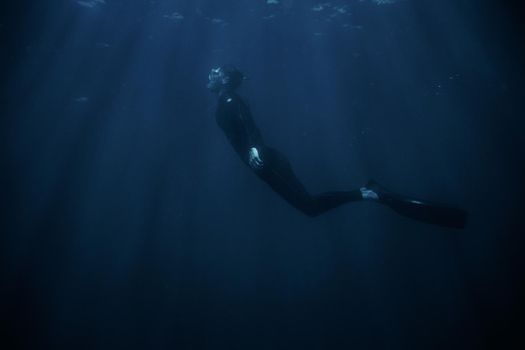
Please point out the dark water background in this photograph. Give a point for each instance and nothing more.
(128, 222)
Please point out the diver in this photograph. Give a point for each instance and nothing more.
(235, 119)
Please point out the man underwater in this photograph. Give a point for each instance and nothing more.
(235, 119)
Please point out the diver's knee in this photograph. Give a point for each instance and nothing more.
(309, 211)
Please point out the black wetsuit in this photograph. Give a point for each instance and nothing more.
(235, 119)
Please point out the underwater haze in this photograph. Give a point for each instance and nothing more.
(129, 222)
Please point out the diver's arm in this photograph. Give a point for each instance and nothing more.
(254, 160)
(255, 140)
(255, 143)
(250, 149)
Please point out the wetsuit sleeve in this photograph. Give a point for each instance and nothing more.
(252, 132)
(235, 119)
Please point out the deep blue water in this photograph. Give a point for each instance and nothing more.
(128, 222)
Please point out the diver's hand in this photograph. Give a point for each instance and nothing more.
(254, 160)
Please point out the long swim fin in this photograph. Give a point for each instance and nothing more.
(421, 210)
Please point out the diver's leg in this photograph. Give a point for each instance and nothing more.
(329, 200)
(278, 173)
(433, 213)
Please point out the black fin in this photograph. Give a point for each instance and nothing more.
(421, 210)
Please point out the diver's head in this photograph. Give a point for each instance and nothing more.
(224, 78)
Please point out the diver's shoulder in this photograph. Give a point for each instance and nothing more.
(230, 98)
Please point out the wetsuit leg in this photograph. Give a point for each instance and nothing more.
(277, 172)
